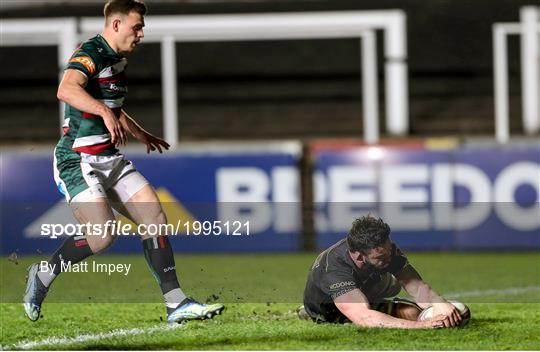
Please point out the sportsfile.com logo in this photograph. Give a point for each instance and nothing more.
(118, 228)
(110, 227)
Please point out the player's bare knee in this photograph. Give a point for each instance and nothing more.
(146, 212)
(160, 217)
(100, 246)
(157, 220)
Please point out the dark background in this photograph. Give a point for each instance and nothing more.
(284, 89)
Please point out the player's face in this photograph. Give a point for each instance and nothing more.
(379, 257)
(130, 31)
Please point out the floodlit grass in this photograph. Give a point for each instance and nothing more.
(261, 293)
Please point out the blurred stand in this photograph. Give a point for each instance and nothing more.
(284, 89)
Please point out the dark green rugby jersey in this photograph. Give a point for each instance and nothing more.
(105, 69)
(334, 273)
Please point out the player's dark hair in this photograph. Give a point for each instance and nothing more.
(367, 233)
(124, 7)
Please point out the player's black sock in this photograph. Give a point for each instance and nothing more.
(74, 249)
(160, 259)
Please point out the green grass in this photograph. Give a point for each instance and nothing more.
(261, 293)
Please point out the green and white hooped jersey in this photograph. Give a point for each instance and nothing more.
(105, 69)
(85, 135)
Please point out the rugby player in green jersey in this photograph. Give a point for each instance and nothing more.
(94, 177)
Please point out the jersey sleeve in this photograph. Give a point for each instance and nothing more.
(398, 262)
(83, 61)
(338, 282)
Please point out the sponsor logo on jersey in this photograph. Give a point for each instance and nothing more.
(342, 284)
(342, 292)
(87, 62)
(116, 88)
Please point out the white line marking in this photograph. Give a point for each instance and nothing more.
(28, 345)
(512, 291)
(24, 345)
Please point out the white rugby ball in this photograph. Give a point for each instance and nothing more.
(462, 308)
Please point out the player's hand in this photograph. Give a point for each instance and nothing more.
(152, 142)
(436, 322)
(453, 318)
(118, 134)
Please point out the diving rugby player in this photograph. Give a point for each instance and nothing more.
(94, 176)
(355, 279)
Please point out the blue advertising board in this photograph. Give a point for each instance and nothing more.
(463, 199)
(236, 202)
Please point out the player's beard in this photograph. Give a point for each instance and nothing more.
(374, 269)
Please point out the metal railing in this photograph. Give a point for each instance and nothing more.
(169, 30)
(529, 30)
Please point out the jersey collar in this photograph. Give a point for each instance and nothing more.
(108, 48)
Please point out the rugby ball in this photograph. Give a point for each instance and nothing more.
(462, 308)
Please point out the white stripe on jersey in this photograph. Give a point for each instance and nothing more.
(114, 69)
(113, 103)
(91, 140)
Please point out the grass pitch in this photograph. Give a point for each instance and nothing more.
(261, 292)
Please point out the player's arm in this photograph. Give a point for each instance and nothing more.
(425, 297)
(152, 142)
(72, 91)
(355, 306)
